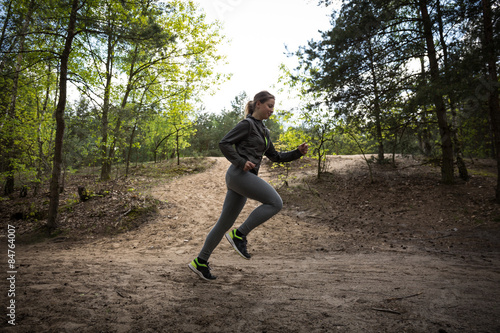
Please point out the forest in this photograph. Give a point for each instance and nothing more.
(100, 84)
(111, 174)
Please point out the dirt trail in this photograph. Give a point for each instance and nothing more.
(139, 281)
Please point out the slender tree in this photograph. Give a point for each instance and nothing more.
(436, 81)
(493, 102)
(59, 114)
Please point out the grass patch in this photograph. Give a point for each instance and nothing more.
(482, 173)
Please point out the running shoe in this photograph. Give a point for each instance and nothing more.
(238, 243)
(203, 270)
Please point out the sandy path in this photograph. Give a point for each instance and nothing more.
(139, 281)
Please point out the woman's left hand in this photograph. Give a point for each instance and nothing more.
(303, 148)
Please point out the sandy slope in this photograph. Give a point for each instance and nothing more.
(139, 282)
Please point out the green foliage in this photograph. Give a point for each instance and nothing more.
(132, 64)
(138, 68)
(369, 68)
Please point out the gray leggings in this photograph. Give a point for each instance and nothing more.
(240, 186)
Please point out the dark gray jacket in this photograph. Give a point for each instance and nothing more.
(249, 140)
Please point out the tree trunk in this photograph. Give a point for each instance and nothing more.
(376, 105)
(318, 171)
(130, 143)
(380, 139)
(123, 104)
(493, 103)
(457, 146)
(177, 150)
(106, 163)
(444, 130)
(425, 144)
(40, 116)
(59, 114)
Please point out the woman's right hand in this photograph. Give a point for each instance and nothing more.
(248, 166)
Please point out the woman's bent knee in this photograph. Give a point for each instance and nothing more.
(277, 204)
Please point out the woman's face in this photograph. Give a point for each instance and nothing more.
(264, 110)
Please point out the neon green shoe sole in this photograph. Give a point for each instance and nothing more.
(202, 270)
(239, 244)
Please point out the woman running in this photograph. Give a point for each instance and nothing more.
(244, 146)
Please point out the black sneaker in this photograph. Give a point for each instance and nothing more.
(203, 270)
(238, 243)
